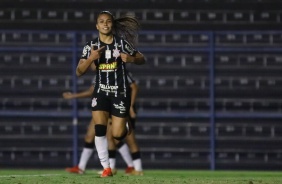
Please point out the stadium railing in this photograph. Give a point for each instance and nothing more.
(213, 43)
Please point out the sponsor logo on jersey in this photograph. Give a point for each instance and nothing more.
(108, 88)
(108, 66)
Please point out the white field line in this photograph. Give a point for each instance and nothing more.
(28, 175)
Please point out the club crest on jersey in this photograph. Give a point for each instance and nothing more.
(94, 102)
(116, 53)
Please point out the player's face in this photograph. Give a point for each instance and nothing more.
(104, 24)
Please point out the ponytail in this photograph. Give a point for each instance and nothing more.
(126, 27)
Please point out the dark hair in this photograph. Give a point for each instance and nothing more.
(126, 26)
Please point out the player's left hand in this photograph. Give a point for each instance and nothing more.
(126, 58)
(132, 112)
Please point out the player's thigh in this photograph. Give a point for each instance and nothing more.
(100, 117)
(90, 134)
(101, 107)
(109, 127)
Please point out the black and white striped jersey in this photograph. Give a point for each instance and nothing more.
(111, 73)
(129, 78)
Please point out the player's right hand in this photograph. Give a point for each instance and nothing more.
(96, 54)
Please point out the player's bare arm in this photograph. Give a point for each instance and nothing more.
(134, 91)
(83, 94)
(84, 64)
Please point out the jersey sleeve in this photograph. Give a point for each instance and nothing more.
(127, 48)
(86, 51)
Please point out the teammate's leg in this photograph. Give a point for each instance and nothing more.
(119, 131)
(86, 152)
(122, 148)
(88, 146)
(124, 151)
(134, 149)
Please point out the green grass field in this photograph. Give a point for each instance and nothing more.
(150, 177)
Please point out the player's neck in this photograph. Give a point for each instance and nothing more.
(108, 39)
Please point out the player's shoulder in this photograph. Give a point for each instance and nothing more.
(92, 42)
(121, 39)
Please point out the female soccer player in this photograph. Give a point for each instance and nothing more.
(110, 52)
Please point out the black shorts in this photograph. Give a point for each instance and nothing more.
(117, 106)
